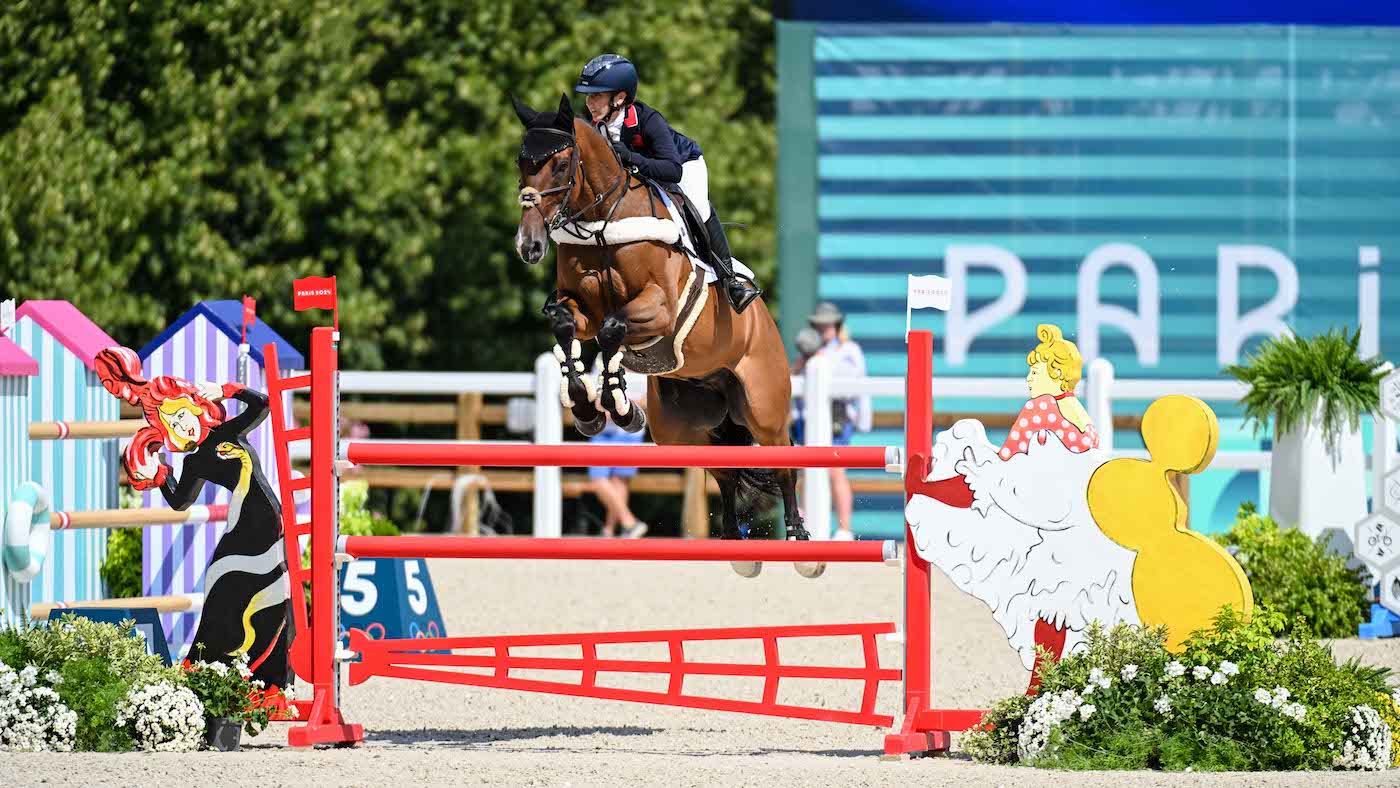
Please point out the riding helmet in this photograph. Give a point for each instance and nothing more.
(609, 74)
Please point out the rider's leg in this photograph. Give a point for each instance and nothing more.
(695, 184)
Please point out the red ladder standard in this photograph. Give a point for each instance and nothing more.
(408, 659)
(921, 728)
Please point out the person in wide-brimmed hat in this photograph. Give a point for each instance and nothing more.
(827, 314)
(848, 415)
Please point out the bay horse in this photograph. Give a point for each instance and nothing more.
(623, 279)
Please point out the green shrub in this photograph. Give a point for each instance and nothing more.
(98, 665)
(1297, 576)
(1295, 380)
(1236, 698)
(121, 569)
(355, 518)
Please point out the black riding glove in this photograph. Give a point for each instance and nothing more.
(624, 154)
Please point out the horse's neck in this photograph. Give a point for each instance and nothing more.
(601, 174)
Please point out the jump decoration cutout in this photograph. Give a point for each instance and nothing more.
(1052, 534)
(247, 606)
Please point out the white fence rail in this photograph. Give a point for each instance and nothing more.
(817, 388)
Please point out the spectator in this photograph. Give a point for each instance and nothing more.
(612, 485)
(848, 415)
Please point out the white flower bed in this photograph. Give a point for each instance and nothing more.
(32, 718)
(1045, 714)
(164, 718)
(1368, 746)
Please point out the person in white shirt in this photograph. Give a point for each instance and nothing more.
(847, 361)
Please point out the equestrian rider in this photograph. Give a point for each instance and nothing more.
(647, 145)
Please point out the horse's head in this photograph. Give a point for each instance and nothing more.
(549, 175)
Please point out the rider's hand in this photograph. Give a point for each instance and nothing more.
(623, 152)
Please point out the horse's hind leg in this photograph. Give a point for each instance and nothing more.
(763, 408)
(577, 392)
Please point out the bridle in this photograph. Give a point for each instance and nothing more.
(530, 197)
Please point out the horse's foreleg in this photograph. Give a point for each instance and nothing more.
(576, 392)
(648, 315)
(612, 394)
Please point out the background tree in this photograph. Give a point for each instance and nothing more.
(159, 153)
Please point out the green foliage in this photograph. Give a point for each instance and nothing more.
(1125, 702)
(228, 692)
(121, 569)
(1292, 378)
(99, 663)
(1298, 576)
(157, 153)
(358, 520)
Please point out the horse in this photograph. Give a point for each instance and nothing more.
(623, 280)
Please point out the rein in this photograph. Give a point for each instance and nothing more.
(530, 197)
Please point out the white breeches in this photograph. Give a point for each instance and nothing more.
(695, 185)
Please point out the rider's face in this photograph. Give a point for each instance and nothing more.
(599, 105)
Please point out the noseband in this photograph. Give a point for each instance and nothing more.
(531, 197)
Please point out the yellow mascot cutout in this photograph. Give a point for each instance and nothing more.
(1181, 578)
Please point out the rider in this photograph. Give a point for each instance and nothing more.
(647, 144)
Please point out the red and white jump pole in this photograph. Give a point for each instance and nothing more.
(922, 729)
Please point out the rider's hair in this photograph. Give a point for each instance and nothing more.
(1061, 356)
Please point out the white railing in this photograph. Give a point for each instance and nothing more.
(818, 387)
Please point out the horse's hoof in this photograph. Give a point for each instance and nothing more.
(591, 427)
(810, 570)
(748, 569)
(634, 421)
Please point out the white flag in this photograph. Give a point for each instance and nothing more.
(926, 292)
(7, 315)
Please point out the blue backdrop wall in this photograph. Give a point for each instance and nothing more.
(1167, 195)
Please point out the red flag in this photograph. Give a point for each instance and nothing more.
(313, 292)
(250, 315)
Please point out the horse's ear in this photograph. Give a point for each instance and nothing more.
(523, 111)
(565, 118)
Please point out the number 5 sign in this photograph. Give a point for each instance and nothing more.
(389, 598)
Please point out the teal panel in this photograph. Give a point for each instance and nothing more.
(1051, 141)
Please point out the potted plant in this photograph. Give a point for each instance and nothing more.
(233, 702)
(1316, 390)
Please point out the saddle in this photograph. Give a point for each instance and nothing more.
(665, 354)
(699, 236)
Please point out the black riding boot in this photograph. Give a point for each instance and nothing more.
(738, 289)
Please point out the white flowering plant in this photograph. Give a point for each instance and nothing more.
(1234, 697)
(32, 716)
(90, 667)
(162, 717)
(230, 692)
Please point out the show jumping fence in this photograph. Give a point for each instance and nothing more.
(317, 659)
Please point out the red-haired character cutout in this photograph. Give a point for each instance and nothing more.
(247, 609)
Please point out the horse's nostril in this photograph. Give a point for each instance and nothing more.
(536, 249)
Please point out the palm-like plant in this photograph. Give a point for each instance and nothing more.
(1293, 379)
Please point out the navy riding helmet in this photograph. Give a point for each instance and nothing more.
(609, 74)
